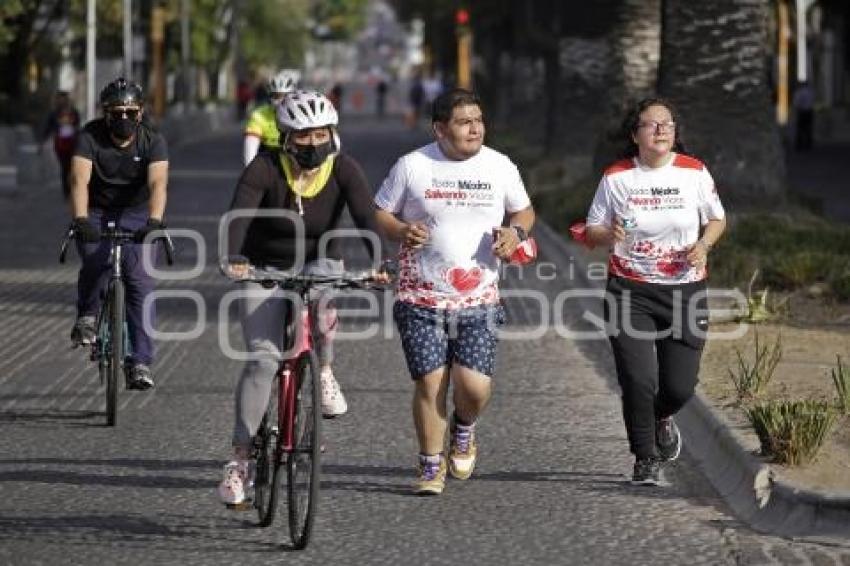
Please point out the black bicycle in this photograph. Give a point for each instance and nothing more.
(112, 344)
(289, 437)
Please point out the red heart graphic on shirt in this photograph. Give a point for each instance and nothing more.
(464, 279)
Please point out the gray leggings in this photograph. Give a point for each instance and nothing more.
(262, 315)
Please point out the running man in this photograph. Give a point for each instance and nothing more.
(445, 203)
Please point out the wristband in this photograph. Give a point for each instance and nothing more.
(520, 232)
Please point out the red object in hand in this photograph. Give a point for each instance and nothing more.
(525, 252)
(578, 232)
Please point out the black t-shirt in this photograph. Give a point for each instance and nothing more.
(271, 241)
(119, 176)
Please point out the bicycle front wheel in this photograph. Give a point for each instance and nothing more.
(268, 456)
(116, 349)
(303, 463)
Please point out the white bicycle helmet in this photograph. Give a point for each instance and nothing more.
(304, 109)
(283, 82)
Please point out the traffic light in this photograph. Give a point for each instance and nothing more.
(462, 17)
(464, 48)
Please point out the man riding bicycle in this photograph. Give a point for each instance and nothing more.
(261, 129)
(118, 174)
(308, 182)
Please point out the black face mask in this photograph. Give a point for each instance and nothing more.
(311, 156)
(122, 128)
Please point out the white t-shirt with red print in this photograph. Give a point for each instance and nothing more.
(461, 202)
(662, 210)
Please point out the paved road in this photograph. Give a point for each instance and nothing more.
(550, 487)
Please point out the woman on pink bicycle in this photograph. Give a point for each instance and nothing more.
(283, 204)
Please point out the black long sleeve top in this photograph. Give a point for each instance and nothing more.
(272, 241)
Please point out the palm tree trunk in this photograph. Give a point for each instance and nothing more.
(636, 36)
(714, 66)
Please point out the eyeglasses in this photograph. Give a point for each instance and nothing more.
(654, 126)
(118, 113)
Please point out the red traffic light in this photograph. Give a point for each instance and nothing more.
(462, 17)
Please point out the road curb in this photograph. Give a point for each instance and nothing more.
(744, 482)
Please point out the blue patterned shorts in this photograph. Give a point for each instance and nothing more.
(432, 338)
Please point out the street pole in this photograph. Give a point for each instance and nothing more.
(185, 53)
(464, 49)
(782, 64)
(464, 54)
(802, 59)
(91, 32)
(128, 39)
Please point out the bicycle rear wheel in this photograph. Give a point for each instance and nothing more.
(116, 349)
(303, 464)
(268, 457)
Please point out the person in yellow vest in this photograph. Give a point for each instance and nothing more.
(261, 129)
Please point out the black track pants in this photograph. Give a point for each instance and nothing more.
(657, 334)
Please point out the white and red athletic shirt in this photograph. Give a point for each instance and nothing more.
(461, 202)
(666, 205)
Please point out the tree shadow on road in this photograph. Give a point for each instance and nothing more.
(54, 416)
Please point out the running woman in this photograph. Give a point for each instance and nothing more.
(658, 212)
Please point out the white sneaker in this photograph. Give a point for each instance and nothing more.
(236, 480)
(333, 401)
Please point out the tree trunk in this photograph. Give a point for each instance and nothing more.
(714, 66)
(636, 37)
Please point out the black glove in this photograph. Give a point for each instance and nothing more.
(84, 230)
(152, 225)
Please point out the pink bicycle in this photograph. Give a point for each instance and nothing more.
(289, 437)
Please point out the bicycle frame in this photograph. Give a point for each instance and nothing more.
(100, 348)
(298, 343)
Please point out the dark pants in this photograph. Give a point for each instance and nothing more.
(805, 129)
(658, 370)
(65, 172)
(95, 271)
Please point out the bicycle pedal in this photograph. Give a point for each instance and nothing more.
(246, 505)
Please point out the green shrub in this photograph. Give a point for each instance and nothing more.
(790, 250)
(752, 379)
(792, 432)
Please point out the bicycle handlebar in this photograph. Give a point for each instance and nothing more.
(123, 236)
(349, 279)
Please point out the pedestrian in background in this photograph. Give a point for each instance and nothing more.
(381, 97)
(659, 213)
(335, 96)
(448, 306)
(804, 113)
(416, 99)
(244, 94)
(63, 125)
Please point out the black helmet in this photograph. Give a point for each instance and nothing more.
(121, 92)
